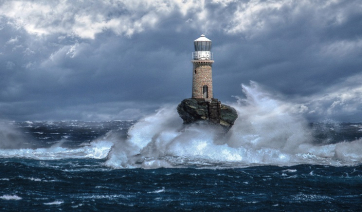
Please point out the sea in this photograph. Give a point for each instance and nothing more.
(272, 159)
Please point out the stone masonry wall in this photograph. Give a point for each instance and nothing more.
(202, 75)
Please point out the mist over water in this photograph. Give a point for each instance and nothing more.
(10, 138)
(267, 132)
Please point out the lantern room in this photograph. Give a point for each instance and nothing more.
(202, 49)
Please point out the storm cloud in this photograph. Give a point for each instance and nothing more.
(121, 59)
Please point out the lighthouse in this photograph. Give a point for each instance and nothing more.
(202, 61)
(203, 107)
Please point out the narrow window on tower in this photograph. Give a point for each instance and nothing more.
(205, 92)
(195, 71)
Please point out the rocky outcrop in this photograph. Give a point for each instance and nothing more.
(193, 110)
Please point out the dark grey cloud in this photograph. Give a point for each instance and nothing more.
(121, 60)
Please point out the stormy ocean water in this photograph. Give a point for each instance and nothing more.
(272, 159)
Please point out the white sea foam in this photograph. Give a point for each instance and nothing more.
(267, 132)
(56, 202)
(34, 179)
(157, 191)
(309, 198)
(10, 197)
(114, 196)
(96, 149)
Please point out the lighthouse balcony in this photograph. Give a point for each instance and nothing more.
(202, 55)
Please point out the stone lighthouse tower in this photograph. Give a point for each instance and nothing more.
(203, 106)
(202, 69)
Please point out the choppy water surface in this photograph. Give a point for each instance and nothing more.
(86, 185)
(272, 159)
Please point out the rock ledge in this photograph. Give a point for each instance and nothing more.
(194, 110)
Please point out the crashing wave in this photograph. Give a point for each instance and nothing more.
(267, 132)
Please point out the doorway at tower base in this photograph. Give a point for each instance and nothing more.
(194, 110)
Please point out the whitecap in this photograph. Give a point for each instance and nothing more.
(10, 197)
(310, 197)
(290, 170)
(56, 202)
(157, 191)
(95, 150)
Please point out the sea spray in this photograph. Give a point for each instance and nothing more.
(12, 138)
(267, 132)
(267, 123)
(151, 133)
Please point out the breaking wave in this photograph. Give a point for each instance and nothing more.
(95, 150)
(267, 132)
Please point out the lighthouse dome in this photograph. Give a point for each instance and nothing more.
(202, 43)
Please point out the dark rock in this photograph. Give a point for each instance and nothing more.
(228, 115)
(194, 110)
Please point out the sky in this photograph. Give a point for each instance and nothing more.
(100, 60)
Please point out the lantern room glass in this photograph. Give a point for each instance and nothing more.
(202, 45)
